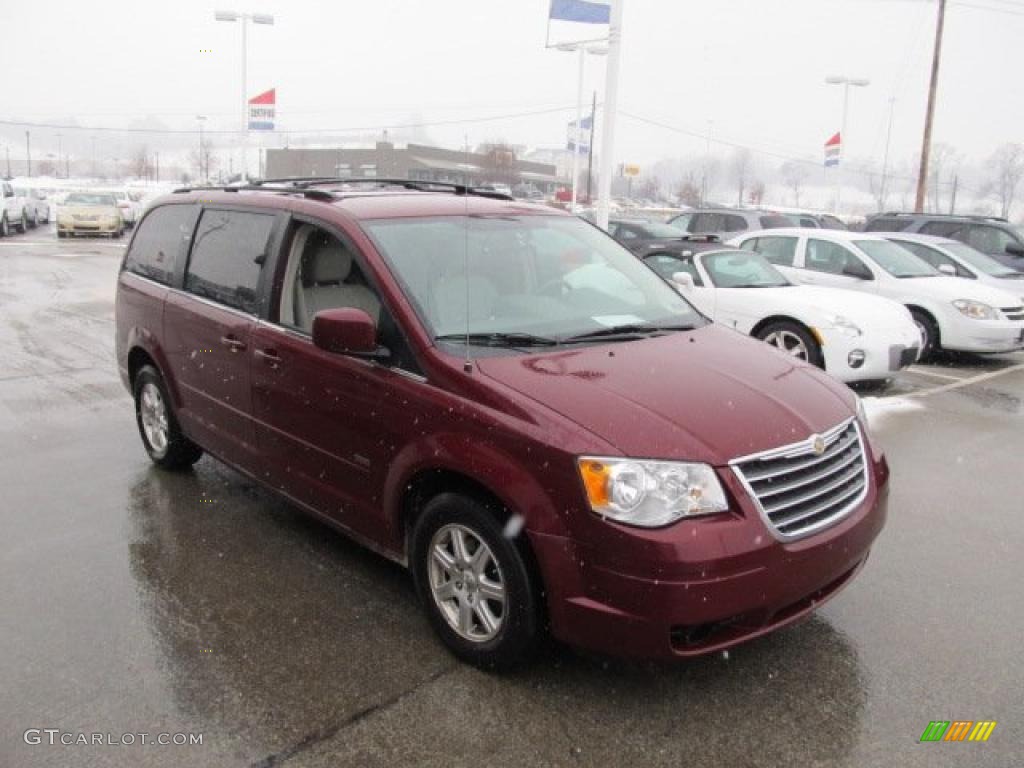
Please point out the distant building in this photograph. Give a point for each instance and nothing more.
(414, 161)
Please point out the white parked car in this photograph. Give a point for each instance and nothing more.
(13, 214)
(127, 204)
(951, 257)
(853, 337)
(951, 312)
(37, 207)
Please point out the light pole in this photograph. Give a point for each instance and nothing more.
(93, 156)
(846, 82)
(244, 18)
(59, 153)
(201, 119)
(583, 49)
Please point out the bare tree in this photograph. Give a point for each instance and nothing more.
(649, 188)
(757, 191)
(688, 191)
(739, 166)
(1007, 168)
(203, 160)
(794, 173)
(943, 158)
(500, 162)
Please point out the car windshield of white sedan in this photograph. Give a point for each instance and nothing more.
(526, 280)
(895, 259)
(980, 261)
(742, 269)
(90, 199)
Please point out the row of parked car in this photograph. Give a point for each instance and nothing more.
(92, 211)
(904, 295)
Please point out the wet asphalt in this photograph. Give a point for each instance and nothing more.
(137, 601)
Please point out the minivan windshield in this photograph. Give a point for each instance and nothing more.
(895, 259)
(525, 278)
(742, 269)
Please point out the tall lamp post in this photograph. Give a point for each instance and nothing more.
(846, 82)
(244, 18)
(201, 119)
(583, 49)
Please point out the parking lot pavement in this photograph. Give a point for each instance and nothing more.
(140, 601)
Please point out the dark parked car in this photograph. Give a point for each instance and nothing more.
(817, 221)
(989, 234)
(727, 222)
(637, 234)
(502, 398)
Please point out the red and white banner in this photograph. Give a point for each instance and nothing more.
(262, 111)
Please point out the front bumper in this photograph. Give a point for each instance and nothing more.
(883, 353)
(704, 585)
(76, 226)
(982, 336)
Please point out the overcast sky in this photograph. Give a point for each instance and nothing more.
(751, 71)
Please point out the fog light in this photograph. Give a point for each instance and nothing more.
(856, 358)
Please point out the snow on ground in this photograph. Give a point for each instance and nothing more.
(878, 409)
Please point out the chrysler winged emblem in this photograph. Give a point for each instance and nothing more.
(818, 444)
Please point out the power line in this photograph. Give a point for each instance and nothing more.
(292, 132)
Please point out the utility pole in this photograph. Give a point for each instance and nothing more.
(952, 199)
(885, 157)
(157, 168)
(590, 149)
(926, 144)
(28, 154)
(94, 157)
(611, 100)
(59, 154)
(7, 151)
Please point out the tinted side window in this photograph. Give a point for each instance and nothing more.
(682, 221)
(778, 250)
(825, 256)
(666, 265)
(734, 223)
(158, 241)
(227, 255)
(890, 224)
(941, 228)
(987, 239)
(705, 222)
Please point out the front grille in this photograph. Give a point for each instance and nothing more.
(1013, 313)
(800, 491)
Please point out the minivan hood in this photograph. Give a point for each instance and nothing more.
(708, 395)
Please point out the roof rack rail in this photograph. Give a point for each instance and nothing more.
(418, 185)
(971, 216)
(312, 194)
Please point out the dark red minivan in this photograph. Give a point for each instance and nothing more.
(503, 398)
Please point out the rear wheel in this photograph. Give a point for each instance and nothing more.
(22, 225)
(929, 331)
(161, 436)
(34, 221)
(5, 228)
(793, 339)
(474, 583)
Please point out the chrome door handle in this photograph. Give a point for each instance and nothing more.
(232, 343)
(269, 356)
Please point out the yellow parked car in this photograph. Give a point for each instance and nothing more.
(90, 213)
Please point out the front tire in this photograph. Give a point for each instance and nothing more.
(929, 331)
(22, 225)
(793, 339)
(34, 221)
(161, 435)
(5, 228)
(474, 583)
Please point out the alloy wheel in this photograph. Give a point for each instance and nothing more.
(466, 583)
(789, 343)
(153, 412)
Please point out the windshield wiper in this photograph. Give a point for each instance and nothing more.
(625, 332)
(498, 339)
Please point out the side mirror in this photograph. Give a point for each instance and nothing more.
(347, 331)
(859, 271)
(683, 281)
(1015, 249)
(947, 269)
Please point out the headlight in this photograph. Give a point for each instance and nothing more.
(843, 325)
(976, 310)
(650, 493)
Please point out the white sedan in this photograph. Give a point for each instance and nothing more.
(951, 312)
(854, 338)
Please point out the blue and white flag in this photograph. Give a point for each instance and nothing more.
(583, 11)
(579, 140)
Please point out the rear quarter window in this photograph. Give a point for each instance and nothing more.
(155, 247)
(889, 224)
(775, 222)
